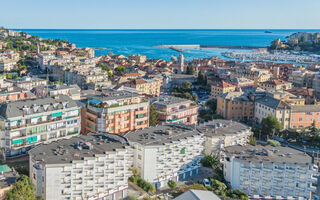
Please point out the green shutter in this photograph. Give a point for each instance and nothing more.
(92, 127)
(183, 151)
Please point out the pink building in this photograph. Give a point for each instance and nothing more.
(176, 110)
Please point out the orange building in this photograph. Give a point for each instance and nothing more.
(115, 112)
(12, 94)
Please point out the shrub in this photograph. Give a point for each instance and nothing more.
(172, 184)
(274, 143)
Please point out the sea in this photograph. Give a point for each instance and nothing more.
(127, 42)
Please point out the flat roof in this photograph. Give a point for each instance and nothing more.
(166, 100)
(76, 148)
(268, 153)
(114, 95)
(222, 128)
(159, 135)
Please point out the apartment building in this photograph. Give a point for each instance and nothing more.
(84, 167)
(275, 85)
(223, 133)
(166, 152)
(7, 65)
(73, 91)
(176, 110)
(13, 94)
(150, 87)
(44, 59)
(302, 78)
(221, 88)
(270, 171)
(270, 106)
(303, 116)
(235, 106)
(26, 123)
(115, 112)
(27, 82)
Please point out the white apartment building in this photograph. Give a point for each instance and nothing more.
(7, 65)
(167, 152)
(44, 59)
(84, 167)
(26, 123)
(270, 171)
(27, 82)
(223, 133)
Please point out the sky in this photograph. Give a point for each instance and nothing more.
(160, 14)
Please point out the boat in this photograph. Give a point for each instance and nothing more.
(268, 32)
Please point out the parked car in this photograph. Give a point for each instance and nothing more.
(206, 182)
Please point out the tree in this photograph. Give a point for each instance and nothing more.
(172, 184)
(252, 140)
(269, 126)
(120, 69)
(202, 78)
(9, 76)
(190, 70)
(218, 187)
(154, 116)
(22, 189)
(210, 161)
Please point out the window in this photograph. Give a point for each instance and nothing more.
(139, 157)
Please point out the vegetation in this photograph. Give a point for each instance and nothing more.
(146, 186)
(274, 143)
(308, 137)
(154, 116)
(176, 192)
(190, 70)
(120, 70)
(210, 112)
(172, 184)
(252, 140)
(202, 78)
(22, 189)
(184, 91)
(269, 127)
(210, 161)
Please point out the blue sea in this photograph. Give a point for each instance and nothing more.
(128, 42)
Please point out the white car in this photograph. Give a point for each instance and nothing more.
(206, 182)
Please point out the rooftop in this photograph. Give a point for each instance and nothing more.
(197, 195)
(76, 148)
(114, 95)
(166, 100)
(271, 102)
(160, 135)
(260, 153)
(222, 128)
(33, 106)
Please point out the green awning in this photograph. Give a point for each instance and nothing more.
(32, 139)
(19, 141)
(58, 114)
(5, 168)
(36, 116)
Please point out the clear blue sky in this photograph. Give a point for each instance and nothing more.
(153, 14)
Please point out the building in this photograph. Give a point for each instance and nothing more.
(303, 116)
(139, 59)
(150, 87)
(235, 106)
(167, 152)
(181, 64)
(7, 65)
(270, 171)
(73, 91)
(26, 123)
(221, 87)
(84, 167)
(176, 110)
(270, 106)
(305, 93)
(115, 112)
(7, 179)
(316, 85)
(197, 195)
(275, 85)
(242, 83)
(223, 133)
(13, 94)
(27, 82)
